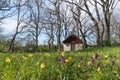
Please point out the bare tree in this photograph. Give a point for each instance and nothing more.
(49, 29)
(4, 4)
(85, 7)
(80, 22)
(108, 7)
(19, 27)
(115, 28)
(5, 10)
(57, 15)
(101, 23)
(34, 22)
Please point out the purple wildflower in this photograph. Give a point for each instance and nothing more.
(98, 65)
(81, 58)
(62, 59)
(93, 61)
(84, 65)
(95, 56)
(113, 63)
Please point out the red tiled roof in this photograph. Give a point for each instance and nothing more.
(73, 39)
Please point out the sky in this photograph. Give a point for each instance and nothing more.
(9, 25)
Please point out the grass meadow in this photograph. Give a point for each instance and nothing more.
(90, 64)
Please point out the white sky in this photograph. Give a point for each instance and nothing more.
(9, 25)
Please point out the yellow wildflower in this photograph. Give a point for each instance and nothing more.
(47, 55)
(8, 60)
(42, 65)
(30, 55)
(89, 63)
(58, 70)
(25, 58)
(78, 66)
(117, 61)
(70, 58)
(63, 54)
(106, 56)
(99, 70)
(107, 61)
(67, 60)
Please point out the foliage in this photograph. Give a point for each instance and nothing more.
(43, 48)
(3, 42)
(92, 64)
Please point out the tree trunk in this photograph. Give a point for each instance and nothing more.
(84, 40)
(12, 42)
(100, 25)
(101, 38)
(52, 35)
(18, 23)
(98, 36)
(95, 24)
(37, 25)
(107, 10)
(36, 42)
(58, 40)
(107, 21)
(82, 34)
(59, 27)
(66, 31)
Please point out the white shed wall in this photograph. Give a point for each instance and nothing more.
(78, 47)
(66, 47)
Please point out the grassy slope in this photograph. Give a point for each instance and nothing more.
(47, 66)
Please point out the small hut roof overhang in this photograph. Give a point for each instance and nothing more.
(73, 39)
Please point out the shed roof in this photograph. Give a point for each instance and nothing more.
(73, 39)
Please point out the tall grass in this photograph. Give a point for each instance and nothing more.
(90, 64)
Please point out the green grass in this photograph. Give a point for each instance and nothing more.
(80, 65)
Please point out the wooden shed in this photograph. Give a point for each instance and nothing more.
(72, 43)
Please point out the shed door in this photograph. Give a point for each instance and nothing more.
(72, 47)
